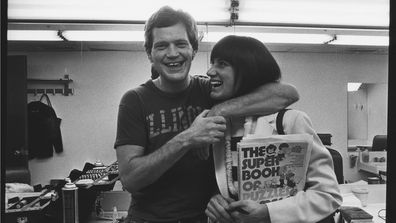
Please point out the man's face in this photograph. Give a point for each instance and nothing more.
(172, 54)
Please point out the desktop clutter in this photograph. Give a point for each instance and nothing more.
(363, 202)
(69, 200)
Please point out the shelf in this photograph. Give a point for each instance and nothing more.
(66, 90)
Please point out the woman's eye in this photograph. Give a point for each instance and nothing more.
(223, 63)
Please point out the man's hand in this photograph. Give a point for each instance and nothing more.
(205, 130)
(217, 207)
(255, 212)
(202, 153)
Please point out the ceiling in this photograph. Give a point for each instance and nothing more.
(331, 17)
(29, 46)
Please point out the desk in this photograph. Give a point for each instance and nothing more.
(371, 166)
(376, 199)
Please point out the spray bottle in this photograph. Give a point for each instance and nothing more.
(70, 202)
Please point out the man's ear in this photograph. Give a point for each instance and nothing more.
(149, 56)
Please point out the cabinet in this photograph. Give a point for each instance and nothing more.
(16, 159)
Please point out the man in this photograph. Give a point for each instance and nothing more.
(164, 124)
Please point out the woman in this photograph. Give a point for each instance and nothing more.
(240, 64)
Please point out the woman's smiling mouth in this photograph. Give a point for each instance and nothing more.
(216, 83)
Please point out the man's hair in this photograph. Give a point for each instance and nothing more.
(253, 64)
(165, 17)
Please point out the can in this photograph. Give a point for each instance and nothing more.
(373, 180)
(70, 202)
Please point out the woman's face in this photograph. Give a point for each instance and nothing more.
(222, 79)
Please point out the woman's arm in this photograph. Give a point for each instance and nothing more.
(322, 196)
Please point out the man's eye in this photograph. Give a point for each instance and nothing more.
(160, 46)
(182, 45)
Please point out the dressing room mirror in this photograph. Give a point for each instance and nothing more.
(367, 113)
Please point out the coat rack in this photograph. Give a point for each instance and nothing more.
(66, 90)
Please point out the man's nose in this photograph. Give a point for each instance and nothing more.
(172, 51)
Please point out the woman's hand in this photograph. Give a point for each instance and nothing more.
(255, 212)
(217, 209)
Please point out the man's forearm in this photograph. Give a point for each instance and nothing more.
(141, 171)
(267, 99)
(138, 170)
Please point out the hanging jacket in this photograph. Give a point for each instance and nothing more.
(44, 133)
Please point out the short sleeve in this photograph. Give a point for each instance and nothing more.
(131, 128)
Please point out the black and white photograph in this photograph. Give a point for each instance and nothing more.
(210, 111)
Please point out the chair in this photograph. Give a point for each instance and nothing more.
(337, 163)
(379, 143)
(335, 155)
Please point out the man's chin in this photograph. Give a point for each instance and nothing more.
(179, 76)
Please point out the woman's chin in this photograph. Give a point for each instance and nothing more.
(217, 96)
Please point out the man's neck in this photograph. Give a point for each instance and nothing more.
(172, 86)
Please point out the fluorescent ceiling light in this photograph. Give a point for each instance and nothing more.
(90, 35)
(361, 40)
(33, 35)
(354, 86)
(327, 12)
(273, 37)
(113, 10)
(339, 12)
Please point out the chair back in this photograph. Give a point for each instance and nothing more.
(379, 143)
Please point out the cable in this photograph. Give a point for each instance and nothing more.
(382, 216)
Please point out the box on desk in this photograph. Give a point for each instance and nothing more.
(375, 162)
(29, 205)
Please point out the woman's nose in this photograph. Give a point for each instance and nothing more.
(211, 72)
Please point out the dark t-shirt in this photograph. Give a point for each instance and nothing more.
(149, 118)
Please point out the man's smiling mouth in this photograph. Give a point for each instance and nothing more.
(174, 64)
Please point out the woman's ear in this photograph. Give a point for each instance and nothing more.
(193, 53)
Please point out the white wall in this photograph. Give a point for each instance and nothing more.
(100, 78)
(376, 105)
(358, 115)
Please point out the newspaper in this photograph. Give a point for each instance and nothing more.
(274, 167)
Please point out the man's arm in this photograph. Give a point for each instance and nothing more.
(138, 170)
(264, 100)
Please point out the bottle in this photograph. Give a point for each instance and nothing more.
(115, 214)
(365, 156)
(70, 202)
(98, 163)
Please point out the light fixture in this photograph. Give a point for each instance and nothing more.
(296, 38)
(116, 10)
(103, 35)
(33, 35)
(361, 40)
(367, 13)
(353, 86)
